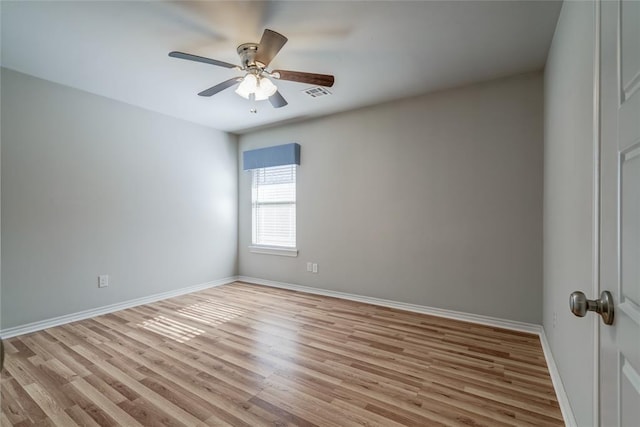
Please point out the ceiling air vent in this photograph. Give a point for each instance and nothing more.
(317, 92)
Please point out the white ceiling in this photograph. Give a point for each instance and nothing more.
(378, 51)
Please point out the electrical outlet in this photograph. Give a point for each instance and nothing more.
(103, 281)
(315, 267)
(309, 267)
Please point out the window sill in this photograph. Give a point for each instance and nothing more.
(273, 250)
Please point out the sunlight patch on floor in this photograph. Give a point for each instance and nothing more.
(171, 329)
(210, 312)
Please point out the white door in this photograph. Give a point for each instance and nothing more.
(620, 210)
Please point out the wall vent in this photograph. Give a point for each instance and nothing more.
(317, 92)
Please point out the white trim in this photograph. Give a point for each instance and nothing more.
(68, 318)
(631, 87)
(596, 232)
(561, 394)
(273, 250)
(631, 309)
(631, 153)
(563, 400)
(456, 315)
(632, 375)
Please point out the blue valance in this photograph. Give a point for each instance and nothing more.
(279, 155)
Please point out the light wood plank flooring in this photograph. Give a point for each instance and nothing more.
(246, 355)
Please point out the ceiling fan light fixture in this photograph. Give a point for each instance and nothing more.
(261, 87)
(265, 89)
(247, 86)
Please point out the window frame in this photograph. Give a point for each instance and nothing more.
(272, 249)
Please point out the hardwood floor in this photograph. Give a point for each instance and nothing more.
(246, 355)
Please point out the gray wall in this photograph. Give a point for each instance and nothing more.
(434, 200)
(93, 186)
(568, 201)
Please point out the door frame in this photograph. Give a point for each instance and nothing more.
(596, 230)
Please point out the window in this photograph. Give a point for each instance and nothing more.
(273, 201)
(273, 198)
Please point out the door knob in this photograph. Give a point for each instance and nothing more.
(579, 305)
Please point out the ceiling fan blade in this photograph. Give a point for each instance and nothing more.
(300, 77)
(197, 58)
(277, 100)
(220, 87)
(270, 44)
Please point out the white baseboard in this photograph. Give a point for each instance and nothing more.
(561, 394)
(456, 315)
(68, 318)
(563, 400)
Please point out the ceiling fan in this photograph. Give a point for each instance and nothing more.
(255, 57)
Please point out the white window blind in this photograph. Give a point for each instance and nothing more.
(273, 200)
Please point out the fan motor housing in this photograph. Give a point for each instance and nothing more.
(247, 53)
